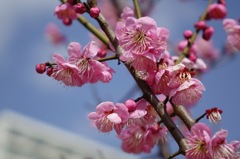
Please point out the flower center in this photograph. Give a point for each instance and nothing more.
(184, 76)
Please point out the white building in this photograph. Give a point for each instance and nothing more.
(24, 138)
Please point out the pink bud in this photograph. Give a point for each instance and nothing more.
(207, 33)
(217, 11)
(102, 52)
(67, 21)
(41, 68)
(94, 12)
(187, 34)
(192, 57)
(49, 71)
(182, 45)
(80, 8)
(130, 104)
(200, 25)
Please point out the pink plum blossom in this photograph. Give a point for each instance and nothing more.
(185, 90)
(199, 142)
(65, 12)
(233, 30)
(65, 72)
(220, 148)
(90, 70)
(162, 76)
(214, 115)
(137, 139)
(141, 37)
(202, 146)
(141, 114)
(109, 115)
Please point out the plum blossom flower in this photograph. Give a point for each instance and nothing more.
(109, 115)
(198, 140)
(137, 139)
(214, 115)
(65, 12)
(141, 37)
(141, 113)
(90, 70)
(65, 72)
(202, 146)
(185, 90)
(82, 67)
(233, 29)
(162, 76)
(220, 148)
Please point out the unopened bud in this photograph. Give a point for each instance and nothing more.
(130, 104)
(187, 34)
(94, 12)
(49, 71)
(67, 21)
(207, 33)
(41, 68)
(200, 25)
(80, 8)
(217, 11)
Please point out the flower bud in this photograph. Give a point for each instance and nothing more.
(67, 21)
(80, 8)
(217, 11)
(94, 12)
(187, 34)
(49, 71)
(207, 33)
(130, 104)
(200, 25)
(41, 68)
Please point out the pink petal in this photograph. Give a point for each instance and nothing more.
(59, 59)
(90, 50)
(93, 116)
(114, 118)
(74, 49)
(104, 107)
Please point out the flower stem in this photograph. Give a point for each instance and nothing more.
(108, 58)
(174, 154)
(137, 8)
(199, 118)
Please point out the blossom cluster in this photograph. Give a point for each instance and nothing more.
(80, 68)
(134, 122)
(171, 78)
(203, 146)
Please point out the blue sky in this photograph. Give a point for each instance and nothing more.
(23, 45)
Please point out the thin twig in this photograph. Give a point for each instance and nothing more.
(137, 8)
(194, 36)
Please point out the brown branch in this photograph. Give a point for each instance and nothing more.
(147, 92)
(183, 114)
